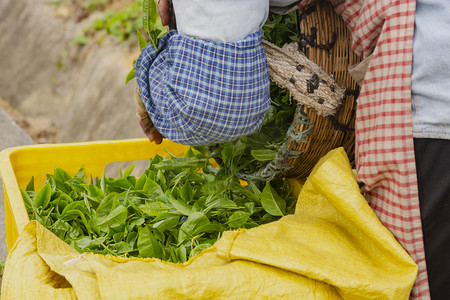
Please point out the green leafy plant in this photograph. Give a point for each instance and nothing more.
(117, 23)
(175, 209)
(80, 39)
(282, 29)
(152, 27)
(93, 5)
(124, 23)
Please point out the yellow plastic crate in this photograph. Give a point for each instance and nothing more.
(19, 164)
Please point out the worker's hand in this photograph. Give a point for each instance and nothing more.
(166, 13)
(144, 120)
(163, 10)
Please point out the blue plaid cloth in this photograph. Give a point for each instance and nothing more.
(200, 92)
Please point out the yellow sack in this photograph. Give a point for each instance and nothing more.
(334, 247)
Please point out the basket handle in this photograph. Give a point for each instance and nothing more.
(309, 84)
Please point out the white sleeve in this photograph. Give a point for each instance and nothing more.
(220, 20)
(282, 3)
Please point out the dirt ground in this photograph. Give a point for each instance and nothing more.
(41, 129)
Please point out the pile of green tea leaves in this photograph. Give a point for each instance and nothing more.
(263, 145)
(174, 210)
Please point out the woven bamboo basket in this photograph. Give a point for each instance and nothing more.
(326, 41)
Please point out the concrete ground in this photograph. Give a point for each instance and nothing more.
(10, 135)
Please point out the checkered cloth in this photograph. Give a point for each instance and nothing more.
(201, 92)
(384, 143)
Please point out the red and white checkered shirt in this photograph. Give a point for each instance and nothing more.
(385, 159)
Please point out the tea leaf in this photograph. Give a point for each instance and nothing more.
(70, 212)
(26, 199)
(30, 185)
(123, 247)
(179, 205)
(141, 182)
(148, 245)
(255, 189)
(237, 219)
(119, 185)
(129, 170)
(166, 224)
(115, 218)
(271, 202)
(194, 221)
(264, 154)
(187, 193)
(152, 188)
(80, 173)
(130, 76)
(43, 196)
(154, 208)
(60, 177)
(141, 40)
(182, 163)
(149, 15)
